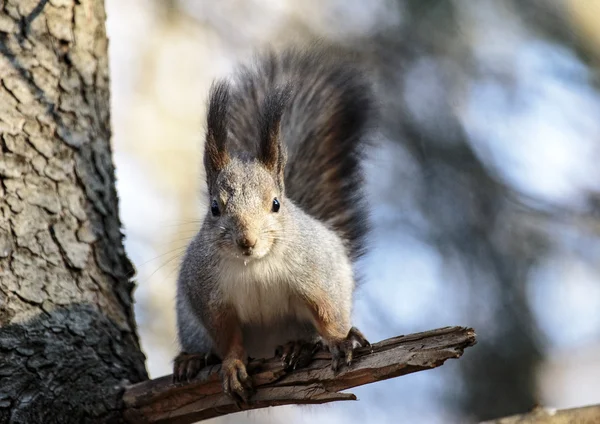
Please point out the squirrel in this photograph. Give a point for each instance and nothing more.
(272, 268)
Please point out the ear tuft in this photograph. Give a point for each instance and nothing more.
(271, 149)
(215, 154)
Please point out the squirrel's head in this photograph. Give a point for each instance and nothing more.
(246, 197)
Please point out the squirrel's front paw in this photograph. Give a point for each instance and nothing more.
(236, 382)
(297, 354)
(345, 348)
(187, 365)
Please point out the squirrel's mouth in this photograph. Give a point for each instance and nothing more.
(247, 255)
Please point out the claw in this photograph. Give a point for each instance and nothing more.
(297, 354)
(236, 382)
(284, 351)
(335, 358)
(357, 338)
(245, 379)
(345, 347)
(349, 355)
(187, 365)
(335, 364)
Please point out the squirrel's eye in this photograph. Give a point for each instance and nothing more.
(276, 205)
(214, 208)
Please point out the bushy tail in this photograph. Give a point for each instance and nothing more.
(329, 109)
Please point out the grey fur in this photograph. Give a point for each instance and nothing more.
(313, 109)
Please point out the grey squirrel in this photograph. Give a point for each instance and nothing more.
(271, 268)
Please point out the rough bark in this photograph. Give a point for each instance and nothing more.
(68, 339)
(161, 401)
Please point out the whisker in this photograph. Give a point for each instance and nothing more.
(184, 239)
(159, 256)
(145, 280)
(181, 223)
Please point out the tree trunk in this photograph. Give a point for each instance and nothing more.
(68, 342)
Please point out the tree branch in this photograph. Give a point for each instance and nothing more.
(583, 415)
(161, 401)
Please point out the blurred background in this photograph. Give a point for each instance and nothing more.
(484, 185)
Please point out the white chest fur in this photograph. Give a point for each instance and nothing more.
(261, 291)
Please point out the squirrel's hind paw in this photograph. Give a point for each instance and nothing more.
(187, 365)
(297, 354)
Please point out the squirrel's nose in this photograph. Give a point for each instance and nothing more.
(247, 241)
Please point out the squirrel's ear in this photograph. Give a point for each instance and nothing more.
(271, 149)
(215, 155)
